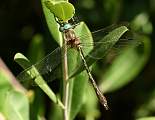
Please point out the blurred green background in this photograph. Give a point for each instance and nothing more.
(23, 20)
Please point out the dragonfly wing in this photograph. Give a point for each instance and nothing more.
(45, 66)
(108, 48)
(104, 46)
(99, 34)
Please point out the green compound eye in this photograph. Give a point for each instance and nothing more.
(66, 26)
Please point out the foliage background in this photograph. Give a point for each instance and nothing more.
(20, 21)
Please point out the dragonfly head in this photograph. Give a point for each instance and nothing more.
(65, 26)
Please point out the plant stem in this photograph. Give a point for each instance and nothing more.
(65, 80)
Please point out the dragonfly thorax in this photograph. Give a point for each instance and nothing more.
(71, 38)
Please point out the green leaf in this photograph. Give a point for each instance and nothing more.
(22, 60)
(4, 86)
(63, 10)
(4, 80)
(101, 50)
(55, 113)
(90, 108)
(52, 24)
(7, 84)
(126, 66)
(142, 23)
(36, 48)
(76, 95)
(146, 108)
(146, 118)
(16, 106)
(33, 73)
(111, 10)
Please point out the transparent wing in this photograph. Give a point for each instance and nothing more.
(46, 66)
(127, 40)
(49, 68)
(99, 34)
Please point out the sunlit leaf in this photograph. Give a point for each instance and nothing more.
(24, 62)
(52, 24)
(16, 106)
(36, 48)
(61, 9)
(146, 118)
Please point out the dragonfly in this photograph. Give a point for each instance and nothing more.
(51, 62)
